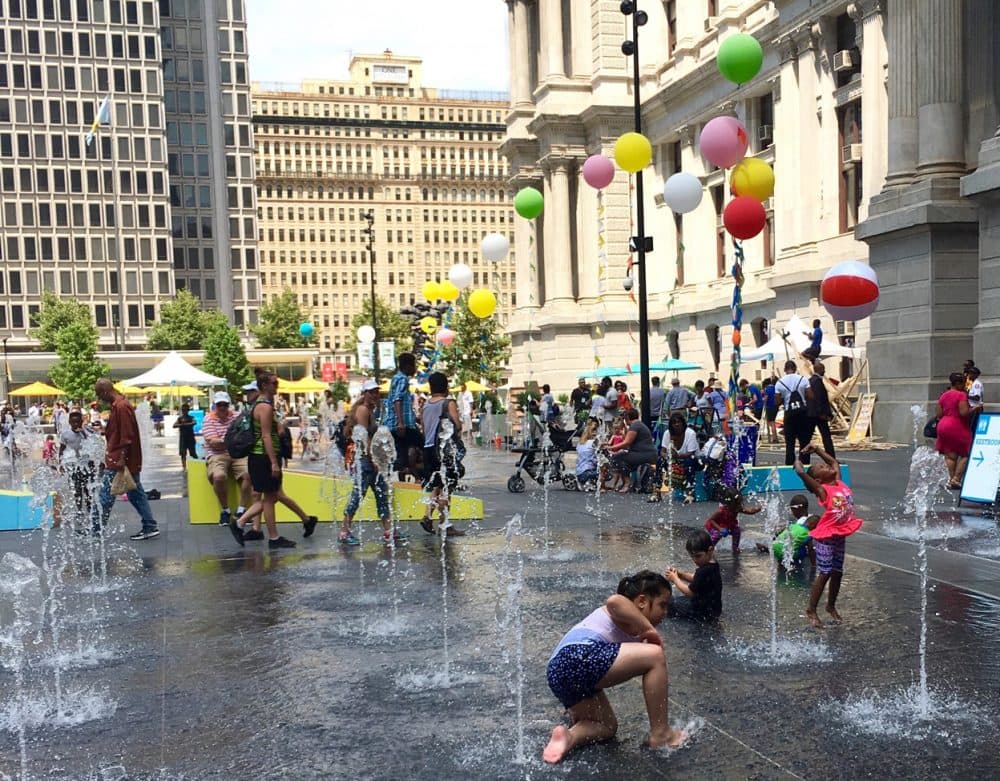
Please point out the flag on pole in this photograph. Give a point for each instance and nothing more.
(103, 117)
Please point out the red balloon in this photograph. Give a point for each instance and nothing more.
(744, 217)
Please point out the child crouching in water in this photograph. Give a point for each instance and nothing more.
(703, 587)
(837, 523)
(615, 643)
(793, 540)
(725, 521)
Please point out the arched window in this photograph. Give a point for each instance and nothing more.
(674, 343)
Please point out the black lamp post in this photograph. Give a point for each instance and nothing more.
(640, 243)
(369, 217)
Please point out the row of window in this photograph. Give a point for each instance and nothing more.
(82, 282)
(20, 317)
(429, 215)
(32, 248)
(360, 110)
(384, 133)
(39, 146)
(80, 77)
(46, 9)
(29, 214)
(100, 45)
(38, 180)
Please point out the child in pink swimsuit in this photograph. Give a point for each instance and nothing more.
(837, 523)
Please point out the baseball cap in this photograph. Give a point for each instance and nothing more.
(675, 381)
(369, 385)
(222, 398)
(251, 386)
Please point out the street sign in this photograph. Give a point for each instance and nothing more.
(862, 417)
(982, 475)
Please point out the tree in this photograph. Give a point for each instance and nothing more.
(55, 314)
(279, 324)
(339, 391)
(77, 370)
(391, 325)
(224, 353)
(480, 348)
(181, 326)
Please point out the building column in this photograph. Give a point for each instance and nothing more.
(941, 134)
(582, 32)
(867, 15)
(520, 83)
(902, 45)
(552, 39)
(558, 265)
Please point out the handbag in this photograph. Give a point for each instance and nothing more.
(930, 428)
(122, 482)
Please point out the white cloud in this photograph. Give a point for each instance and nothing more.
(463, 43)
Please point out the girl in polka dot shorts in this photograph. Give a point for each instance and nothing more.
(615, 643)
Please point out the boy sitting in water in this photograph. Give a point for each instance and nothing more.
(794, 537)
(703, 587)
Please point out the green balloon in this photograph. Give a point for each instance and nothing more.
(740, 58)
(528, 203)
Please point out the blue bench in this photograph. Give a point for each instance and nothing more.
(16, 511)
(758, 479)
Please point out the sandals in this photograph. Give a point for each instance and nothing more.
(427, 525)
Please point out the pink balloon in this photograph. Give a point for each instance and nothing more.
(723, 141)
(598, 171)
(446, 336)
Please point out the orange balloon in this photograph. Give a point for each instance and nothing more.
(737, 338)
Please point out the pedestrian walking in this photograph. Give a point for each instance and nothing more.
(793, 389)
(186, 444)
(818, 408)
(401, 418)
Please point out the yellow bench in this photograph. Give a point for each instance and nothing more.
(324, 497)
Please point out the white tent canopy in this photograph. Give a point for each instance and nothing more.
(174, 370)
(788, 347)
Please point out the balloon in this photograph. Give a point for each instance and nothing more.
(850, 291)
(431, 290)
(723, 141)
(306, 330)
(744, 217)
(633, 152)
(482, 303)
(449, 291)
(494, 246)
(366, 334)
(428, 325)
(460, 275)
(598, 171)
(528, 203)
(740, 57)
(682, 192)
(752, 177)
(737, 338)
(446, 336)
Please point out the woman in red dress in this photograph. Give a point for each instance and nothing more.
(954, 438)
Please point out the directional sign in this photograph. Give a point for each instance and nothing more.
(982, 475)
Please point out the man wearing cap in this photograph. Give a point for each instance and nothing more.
(718, 401)
(219, 464)
(679, 398)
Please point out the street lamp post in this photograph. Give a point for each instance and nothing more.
(369, 217)
(640, 243)
(6, 370)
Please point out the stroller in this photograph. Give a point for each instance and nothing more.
(543, 464)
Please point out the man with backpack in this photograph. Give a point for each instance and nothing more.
(794, 391)
(219, 465)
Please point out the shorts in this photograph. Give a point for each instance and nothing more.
(830, 554)
(187, 446)
(224, 464)
(574, 672)
(259, 469)
(771, 414)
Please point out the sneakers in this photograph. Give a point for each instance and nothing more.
(253, 534)
(309, 525)
(145, 534)
(236, 531)
(348, 539)
(224, 517)
(281, 542)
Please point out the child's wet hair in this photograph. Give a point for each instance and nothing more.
(643, 583)
(698, 542)
(730, 496)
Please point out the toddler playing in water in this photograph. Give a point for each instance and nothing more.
(725, 521)
(615, 643)
(836, 524)
(703, 587)
(794, 537)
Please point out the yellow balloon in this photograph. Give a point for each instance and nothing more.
(633, 152)
(431, 290)
(449, 290)
(753, 178)
(428, 325)
(482, 303)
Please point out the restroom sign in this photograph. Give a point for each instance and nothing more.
(982, 475)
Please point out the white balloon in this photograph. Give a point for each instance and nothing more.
(460, 275)
(366, 334)
(683, 192)
(494, 247)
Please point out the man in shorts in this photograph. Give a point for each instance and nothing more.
(219, 465)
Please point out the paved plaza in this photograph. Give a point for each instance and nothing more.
(196, 659)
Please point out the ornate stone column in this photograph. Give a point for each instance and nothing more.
(552, 39)
(557, 261)
(867, 15)
(902, 44)
(520, 82)
(941, 133)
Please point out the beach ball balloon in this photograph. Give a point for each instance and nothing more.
(494, 246)
(850, 291)
(460, 275)
(752, 177)
(445, 336)
(306, 330)
(598, 171)
(744, 217)
(633, 152)
(366, 334)
(449, 290)
(740, 57)
(431, 290)
(528, 203)
(482, 303)
(428, 325)
(723, 141)
(682, 192)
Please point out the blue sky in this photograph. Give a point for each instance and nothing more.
(463, 43)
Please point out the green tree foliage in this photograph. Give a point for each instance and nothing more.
(340, 391)
(391, 325)
(224, 353)
(55, 314)
(182, 324)
(77, 369)
(480, 349)
(279, 324)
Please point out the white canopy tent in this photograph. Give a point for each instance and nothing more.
(174, 370)
(788, 347)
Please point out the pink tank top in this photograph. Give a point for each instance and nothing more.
(838, 519)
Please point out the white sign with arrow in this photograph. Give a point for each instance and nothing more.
(982, 475)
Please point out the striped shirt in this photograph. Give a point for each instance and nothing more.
(214, 428)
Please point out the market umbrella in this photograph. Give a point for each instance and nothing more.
(176, 390)
(476, 387)
(127, 391)
(608, 371)
(669, 365)
(305, 385)
(38, 389)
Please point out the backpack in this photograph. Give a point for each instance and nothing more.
(340, 436)
(795, 404)
(240, 437)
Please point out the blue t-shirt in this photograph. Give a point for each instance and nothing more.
(756, 400)
(817, 338)
(769, 400)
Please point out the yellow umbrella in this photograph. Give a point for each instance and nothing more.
(305, 385)
(128, 390)
(476, 387)
(38, 389)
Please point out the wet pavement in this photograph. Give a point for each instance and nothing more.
(196, 659)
